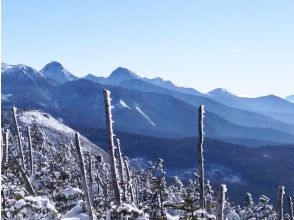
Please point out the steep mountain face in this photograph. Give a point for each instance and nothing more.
(57, 72)
(22, 85)
(290, 98)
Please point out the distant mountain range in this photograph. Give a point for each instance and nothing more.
(148, 106)
(155, 118)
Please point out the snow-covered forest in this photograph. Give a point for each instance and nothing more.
(73, 180)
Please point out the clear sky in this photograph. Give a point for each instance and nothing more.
(245, 46)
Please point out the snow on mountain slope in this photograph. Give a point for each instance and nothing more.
(56, 132)
(145, 116)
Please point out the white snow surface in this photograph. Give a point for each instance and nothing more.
(145, 116)
(41, 202)
(20, 203)
(76, 213)
(45, 120)
(55, 131)
(68, 192)
(124, 104)
(170, 217)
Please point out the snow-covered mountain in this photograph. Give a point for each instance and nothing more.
(148, 109)
(57, 72)
(54, 131)
(23, 84)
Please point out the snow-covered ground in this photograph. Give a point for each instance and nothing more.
(56, 132)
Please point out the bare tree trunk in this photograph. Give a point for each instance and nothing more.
(5, 147)
(137, 192)
(18, 136)
(290, 203)
(2, 145)
(27, 182)
(280, 211)
(83, 176)
(200, 154)
(91, 177)
(31, 151)
(221, 203)
(129, 180)
(121, 173)
(108, 115)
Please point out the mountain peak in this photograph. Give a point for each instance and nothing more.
(55, 71)
(220, 92)
(120, 75)
(54, 64)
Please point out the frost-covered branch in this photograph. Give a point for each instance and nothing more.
(108, 115)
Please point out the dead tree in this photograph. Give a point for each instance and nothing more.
(129, 180)
(280, 211)
(290, 203)
(30, 151)
(200, 154)
(90, 176)
(121, 173)
(27, 182)
(221, 203)
(84, 179)
(5, 147)
(109, 122)
(18, 136)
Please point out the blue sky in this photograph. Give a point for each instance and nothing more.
(245, 46)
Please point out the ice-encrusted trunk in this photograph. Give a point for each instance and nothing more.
(14, 113)
(201, 112)
(290, 204)
(30, 151)
(120, 166)
(83, 177)
(280, 209)
(129, 179)
(221, 202)
(5, 147)
(108, 119)
(90, 176)
(27, 182)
